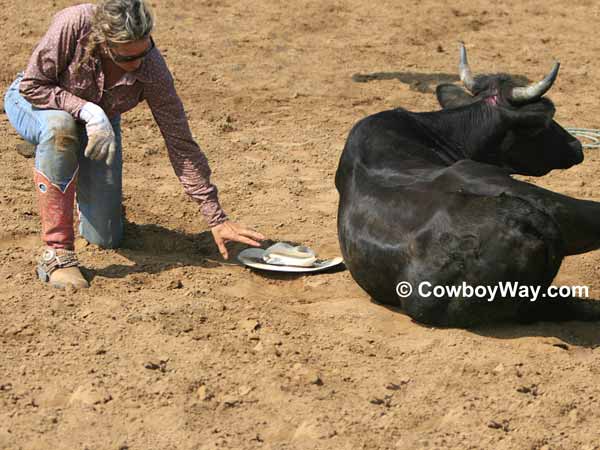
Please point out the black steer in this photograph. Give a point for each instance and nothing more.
(429, 197)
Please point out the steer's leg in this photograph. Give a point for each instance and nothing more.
(578, 220)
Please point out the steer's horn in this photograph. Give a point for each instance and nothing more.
(464, 70)
(535, 90)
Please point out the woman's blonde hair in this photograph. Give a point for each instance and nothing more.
(119, 22)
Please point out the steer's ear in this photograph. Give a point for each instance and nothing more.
(452, 96)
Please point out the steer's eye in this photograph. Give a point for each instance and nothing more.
(528, 131)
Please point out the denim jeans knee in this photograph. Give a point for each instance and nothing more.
(57, 153)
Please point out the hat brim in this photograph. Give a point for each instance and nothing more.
(253, 257)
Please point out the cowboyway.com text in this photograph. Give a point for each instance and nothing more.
(501, 290)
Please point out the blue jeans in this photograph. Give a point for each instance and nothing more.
(60, 142)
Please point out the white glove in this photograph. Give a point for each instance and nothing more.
(101, 137)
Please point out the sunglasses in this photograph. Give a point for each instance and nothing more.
(124, 59)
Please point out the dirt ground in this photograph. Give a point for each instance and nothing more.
(172, 348)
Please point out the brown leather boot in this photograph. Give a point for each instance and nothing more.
(60, 267)
(58, 264)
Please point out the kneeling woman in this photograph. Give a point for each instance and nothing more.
(94, 63)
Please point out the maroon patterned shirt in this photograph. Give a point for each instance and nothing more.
(56, 79)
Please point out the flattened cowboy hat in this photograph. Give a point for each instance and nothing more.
(284, 257)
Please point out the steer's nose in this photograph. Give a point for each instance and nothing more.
(577, 151)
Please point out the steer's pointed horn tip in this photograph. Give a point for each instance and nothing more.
(554, 72)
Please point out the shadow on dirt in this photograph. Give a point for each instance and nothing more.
(576, 333)
(420, 82)
(561, 334)
(154, 249)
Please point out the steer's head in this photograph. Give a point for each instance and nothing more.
(512, 125)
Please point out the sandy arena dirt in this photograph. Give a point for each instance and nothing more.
(172, 348)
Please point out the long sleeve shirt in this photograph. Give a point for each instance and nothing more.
(59, 76)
